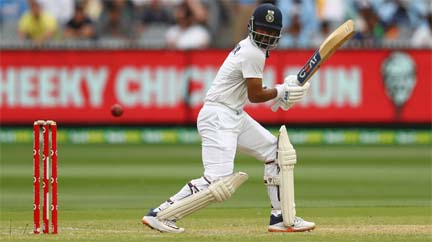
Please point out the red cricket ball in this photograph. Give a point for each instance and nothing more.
(116, 110)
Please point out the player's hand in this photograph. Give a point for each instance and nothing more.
(289, 93)
(282, 92)
(296, 91)
(281, 104)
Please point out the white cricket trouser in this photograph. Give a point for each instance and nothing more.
(222, 131)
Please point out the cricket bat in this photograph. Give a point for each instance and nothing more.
(326, 49)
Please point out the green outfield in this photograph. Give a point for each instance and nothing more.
(353, 193)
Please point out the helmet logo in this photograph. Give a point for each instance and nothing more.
(270, 16)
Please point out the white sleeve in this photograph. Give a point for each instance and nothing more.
(201, 36)
(252, 64)
(171, 35)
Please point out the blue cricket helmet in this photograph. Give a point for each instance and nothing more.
(268, 17)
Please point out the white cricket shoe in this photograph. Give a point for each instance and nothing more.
(300, 225)
(153, 222)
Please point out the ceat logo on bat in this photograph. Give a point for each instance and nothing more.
(309, 67)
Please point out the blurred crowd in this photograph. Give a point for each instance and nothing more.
(195, 24)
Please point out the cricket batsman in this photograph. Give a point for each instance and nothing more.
(224, 126)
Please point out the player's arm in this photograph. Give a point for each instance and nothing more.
(257, 93)
(285, 94)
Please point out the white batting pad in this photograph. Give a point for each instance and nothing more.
(216, 192)
(286, 158)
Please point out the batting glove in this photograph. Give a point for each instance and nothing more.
(289, 93)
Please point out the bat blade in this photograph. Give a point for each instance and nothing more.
(326, 49)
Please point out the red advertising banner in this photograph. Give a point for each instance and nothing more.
(167, 87)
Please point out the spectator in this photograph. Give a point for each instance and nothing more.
(331, 11)
(92, 9)
(292, 33)
(61, 10)
(199, 13)
(401, 18)
(422, 36)
(117, 21)
(11, 10)
(155, 19)
(299, 22)
(80, 26)
(37, 25)
(370, 29)
(156, 13)
(10, 13)
(400, 26)
(323, 32)
(243, 11)
(221, 21)
(188, 33)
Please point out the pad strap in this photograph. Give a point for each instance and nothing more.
(271, 180)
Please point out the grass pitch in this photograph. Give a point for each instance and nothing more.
(353, 193)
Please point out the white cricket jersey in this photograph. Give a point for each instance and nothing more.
(229, 86)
